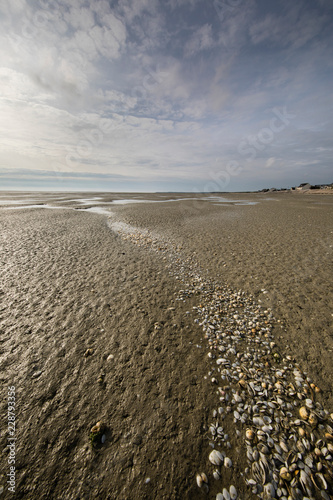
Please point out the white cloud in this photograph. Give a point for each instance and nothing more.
(202, 39)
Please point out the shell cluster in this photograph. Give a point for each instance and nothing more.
(267, 400)
(271, 403)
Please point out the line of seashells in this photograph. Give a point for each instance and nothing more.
(288, 435)
(285, 433)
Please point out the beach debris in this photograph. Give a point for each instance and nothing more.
(89, 352)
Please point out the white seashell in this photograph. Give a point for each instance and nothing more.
(204, 477)
(219, 496)
(227, 462)
(103, 438)
(226, 495)
(324, 451)
(269, 490)
(267, 428)
(237, 398)
(258, 421)
(283, 446)
(215, 457)
(212, 430)
(199, 480)
(249, 434)
(216, 475)
(233, 492)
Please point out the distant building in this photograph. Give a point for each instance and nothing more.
(304, 187)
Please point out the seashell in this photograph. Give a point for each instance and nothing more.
(258, 421)
(219, 496)
(204, 477)
(216, 475)
(233, 492)
(267, 428)
(215, 457)
(237, 398)
(304, 480)
(199, 480)
(328, 436)
(284, 446)
(300, 447)
(264, 449)
(98, 428)
(293, 467)
(212, 430)
(313, 420)
(301, 432)
(303, 413)
(227, 462)
(226, 495)
(242, 383)
(285, 474)
(329, 429)
(103, 438)
(249, 434)
(309, 403)
(306, 444)
(269, 491)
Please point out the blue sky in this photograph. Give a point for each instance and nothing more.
(172, 95)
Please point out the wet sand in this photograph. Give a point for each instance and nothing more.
(69, 283)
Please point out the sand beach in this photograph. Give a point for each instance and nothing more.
(107, 316)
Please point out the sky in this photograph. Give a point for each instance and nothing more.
(165, 95)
